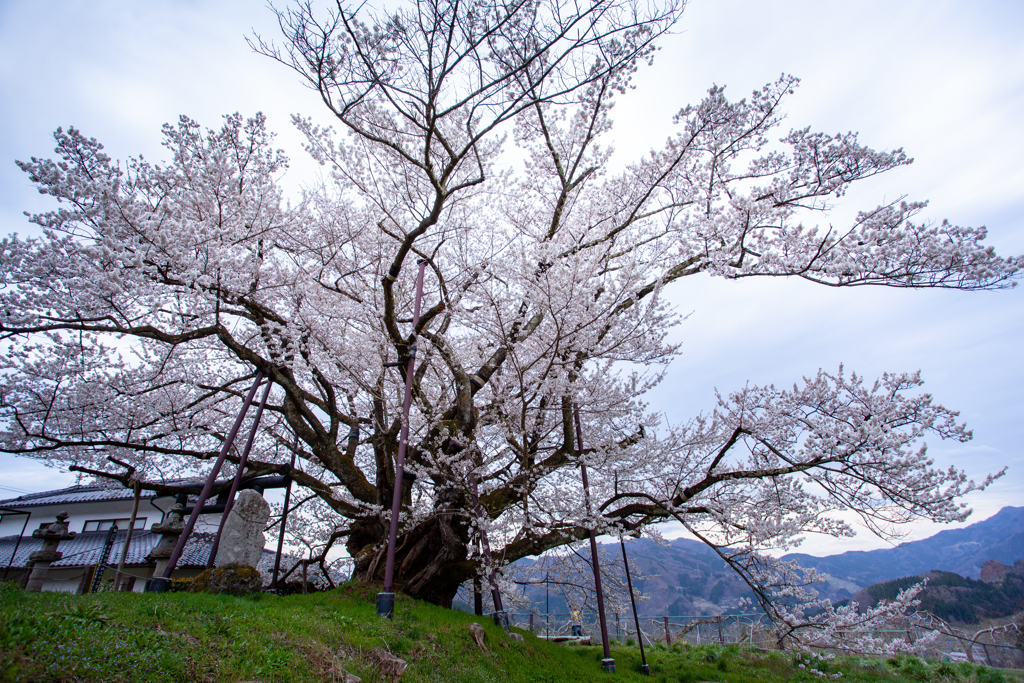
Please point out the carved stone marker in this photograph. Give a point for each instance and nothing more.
(242, 541)
(41, 559)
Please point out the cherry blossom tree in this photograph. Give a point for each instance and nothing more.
(472, 140)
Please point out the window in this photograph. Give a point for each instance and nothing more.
(105, 524)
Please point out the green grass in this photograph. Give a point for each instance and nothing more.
(114, 637)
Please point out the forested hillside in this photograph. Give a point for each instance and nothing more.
(953, 597)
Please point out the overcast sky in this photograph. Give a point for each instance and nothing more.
(944, 80)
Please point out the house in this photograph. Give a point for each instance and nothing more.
(94, 510)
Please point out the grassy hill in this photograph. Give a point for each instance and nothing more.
(110, 637)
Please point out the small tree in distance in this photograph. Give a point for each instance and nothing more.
(135, 322)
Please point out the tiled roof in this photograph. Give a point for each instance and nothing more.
(89, 493)
(86, 548)
(72, 494)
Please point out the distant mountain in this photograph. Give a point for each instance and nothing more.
(688, 578)
(961, 551)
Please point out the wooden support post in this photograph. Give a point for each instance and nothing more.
(119, 582)
(721, 639)
(668, 634)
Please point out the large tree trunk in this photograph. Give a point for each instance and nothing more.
(431, 560)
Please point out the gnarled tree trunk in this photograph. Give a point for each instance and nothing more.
(431, 559)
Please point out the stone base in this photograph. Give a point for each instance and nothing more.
(501, 619)
(608, 665)
(386, 605)
(38, 577)
(230, 580)
(158, 585)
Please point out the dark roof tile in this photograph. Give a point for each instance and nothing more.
(85, 549)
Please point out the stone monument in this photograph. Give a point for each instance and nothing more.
(242, 541)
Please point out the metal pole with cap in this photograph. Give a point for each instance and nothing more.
(284, 514)
(644, 668)
(386, 598)
(607, 664)
(501, 617)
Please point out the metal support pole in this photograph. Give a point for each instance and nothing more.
(386, 599)
(284, 514)
(160, 584)
(230, 503)
(500, 615)
(478, 596)
(607, 664)
(644, 668)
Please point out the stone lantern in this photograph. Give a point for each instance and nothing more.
(42, 559)
(169, 532)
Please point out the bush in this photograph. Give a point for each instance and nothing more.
(178, 585)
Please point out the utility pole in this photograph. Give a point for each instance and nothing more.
(386, 598)
(607, 664)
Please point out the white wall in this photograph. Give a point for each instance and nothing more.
(80, 513)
